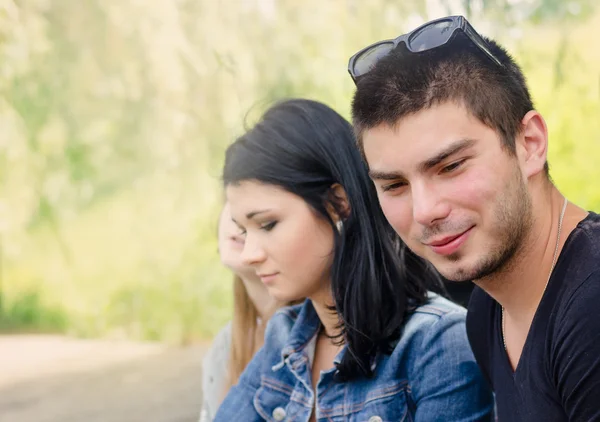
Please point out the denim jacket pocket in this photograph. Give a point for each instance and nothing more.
(275, 401)
(386, 403)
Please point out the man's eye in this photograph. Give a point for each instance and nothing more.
(451, 167)
(393, 186)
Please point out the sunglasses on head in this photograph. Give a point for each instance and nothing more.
(428, 36)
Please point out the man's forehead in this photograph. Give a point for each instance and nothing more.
(395, 159)
(386, 146)
(384, 155)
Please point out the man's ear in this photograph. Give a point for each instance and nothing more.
(339, 199)
(532, 144)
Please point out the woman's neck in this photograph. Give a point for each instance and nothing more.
(329, 319)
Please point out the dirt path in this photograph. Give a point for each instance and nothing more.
(57, 379)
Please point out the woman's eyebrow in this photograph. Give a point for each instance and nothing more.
(253, 214)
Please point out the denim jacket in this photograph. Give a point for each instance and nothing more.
(431, 375)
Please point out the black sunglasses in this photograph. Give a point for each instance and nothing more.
(430, 35)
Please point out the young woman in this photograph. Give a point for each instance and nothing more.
(234, 346)
(385, 349)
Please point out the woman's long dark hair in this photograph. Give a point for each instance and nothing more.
(306, 147)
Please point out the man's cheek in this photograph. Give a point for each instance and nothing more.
(395, 214)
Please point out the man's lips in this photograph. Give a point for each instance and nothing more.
(444, 240)
(448, 245)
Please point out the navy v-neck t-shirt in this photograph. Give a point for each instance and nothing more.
(558, 374)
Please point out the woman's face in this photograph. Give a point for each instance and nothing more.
(231, 244)
(289, 246)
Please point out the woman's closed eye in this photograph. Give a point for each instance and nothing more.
(241, 233)
(268, 226)
(239, 237)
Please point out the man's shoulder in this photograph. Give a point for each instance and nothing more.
(584, 242)
(591, 224)
(574, 319)
(573, 351)
(580, 298)
(579, 263)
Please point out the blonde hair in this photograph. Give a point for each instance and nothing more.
(247, 333)
(244, 332)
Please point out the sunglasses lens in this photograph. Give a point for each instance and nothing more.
(365, 62)
(431, 36)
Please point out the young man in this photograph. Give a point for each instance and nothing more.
(457, 151)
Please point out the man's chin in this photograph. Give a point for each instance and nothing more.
(455, 272)
(457, 279)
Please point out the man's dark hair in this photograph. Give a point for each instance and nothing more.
(402, 83)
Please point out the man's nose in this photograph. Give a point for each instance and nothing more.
(428, 204)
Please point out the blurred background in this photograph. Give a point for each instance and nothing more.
(114, 118)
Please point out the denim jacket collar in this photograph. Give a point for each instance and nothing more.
(306, 327)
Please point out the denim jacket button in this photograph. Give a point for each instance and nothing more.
(375, 419)
(279, 413)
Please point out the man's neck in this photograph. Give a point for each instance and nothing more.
(520, 285)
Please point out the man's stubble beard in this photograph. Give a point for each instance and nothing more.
(513, 222)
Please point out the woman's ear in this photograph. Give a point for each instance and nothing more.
(339, 199)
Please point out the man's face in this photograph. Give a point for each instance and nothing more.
(455, 196)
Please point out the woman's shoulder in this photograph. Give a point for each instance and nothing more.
(439, 307)
(434, 334)
(438, 318)
(281, 323)
(218, 353)
(223, 339)
(214, 370)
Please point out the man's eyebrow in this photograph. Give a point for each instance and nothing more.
(385, 175)
(450, 150)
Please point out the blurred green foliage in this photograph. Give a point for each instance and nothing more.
(114, 117)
